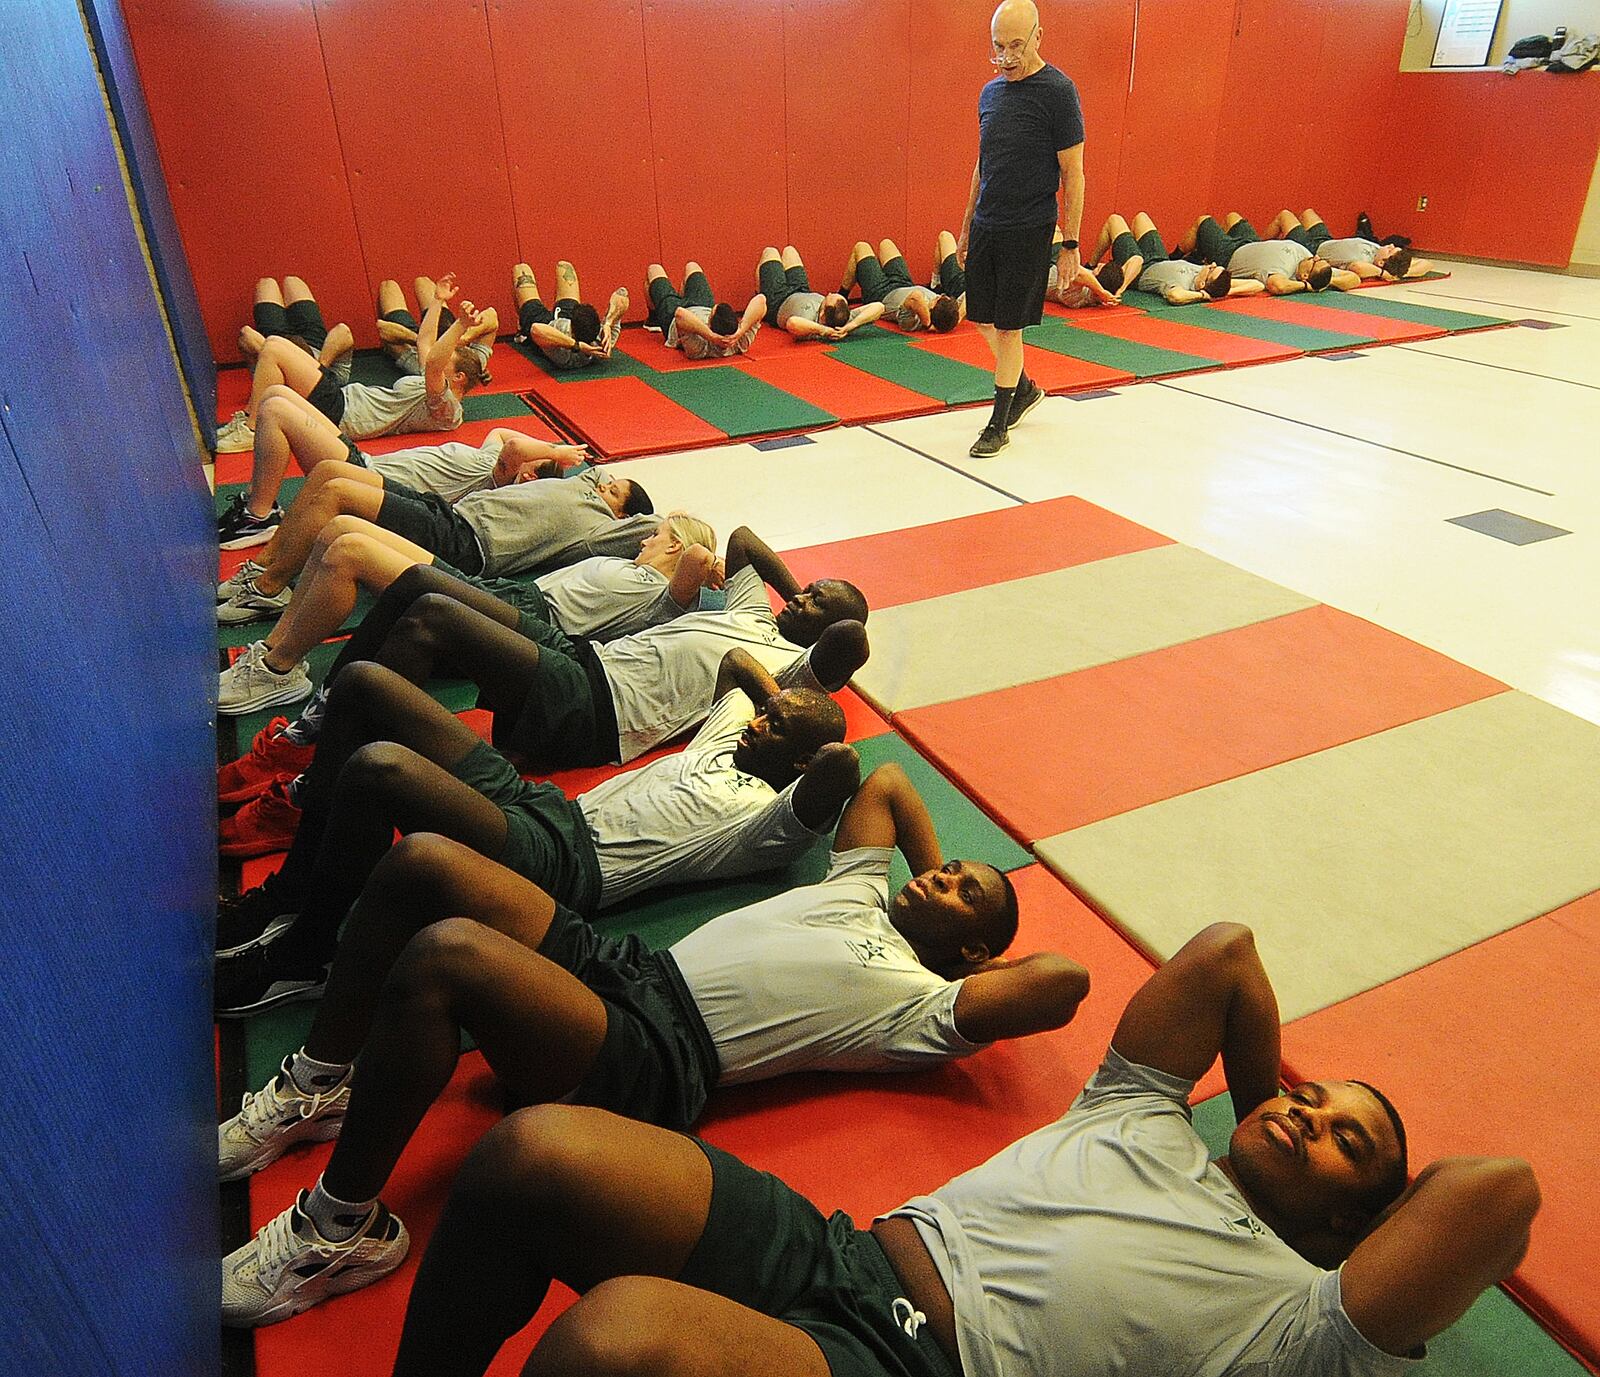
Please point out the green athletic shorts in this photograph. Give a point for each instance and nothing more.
(664, 302)
(657, 1063)
(877, 280)
(766, 1246)
(568, 717)
(778, 284)
(1311, 239)
(547, 837)
(952, 278)
(522, 593)
(1125, 246)
(1216, 244)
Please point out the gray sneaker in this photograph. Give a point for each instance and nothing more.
(276, 1117)
(247, 603)
(236, 436)
(249, 684)
(229, 586)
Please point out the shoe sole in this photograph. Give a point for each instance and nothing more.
(267, 933)
(248, 793)
(248, 540)
(232, 614)
(244, 850)
(272, 700)
(973, 453)
(1038, 397)
(271, 1001)
(347, 1279)
(322, 1131)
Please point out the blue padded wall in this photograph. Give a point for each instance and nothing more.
(107, 860)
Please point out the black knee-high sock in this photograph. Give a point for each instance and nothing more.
(1001, 419)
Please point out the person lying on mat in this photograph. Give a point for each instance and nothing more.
(600, 598)
(1092, 285)
(884, 278)
(288, 311)
(570, 334)
(1103, 1243)
(392, 758)
(694, 321)
(1366, 258)
(1282, 265)
(397, 327)
(290, 430)
(494, 530)
(805, 314)
(1174, 279)
(833, 976)
(429, 402)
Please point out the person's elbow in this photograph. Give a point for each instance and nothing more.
(1507, 1192)
(1064, 985)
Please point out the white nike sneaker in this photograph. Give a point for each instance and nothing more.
(289, 1267)
(276, 1117)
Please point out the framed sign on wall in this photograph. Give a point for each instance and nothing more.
(1466, 33)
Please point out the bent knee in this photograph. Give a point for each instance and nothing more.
(437, 962)
(611, 1329)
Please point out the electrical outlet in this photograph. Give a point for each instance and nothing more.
(1422, 203)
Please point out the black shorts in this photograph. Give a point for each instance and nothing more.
(1125, 246)
(1151, 248)
(657, 1063)
(521, 593)
(547, 837)
(1310, 239)
(404, 318)
(1006, 273)
(302, 318)
(877, 279)
(535, 312)
(951, 279)
(664, 301)
(426, 519)
(778, 284)
(328, 396)
(768, 1247)
(568, 717)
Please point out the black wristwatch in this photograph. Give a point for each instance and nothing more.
(1069, 243)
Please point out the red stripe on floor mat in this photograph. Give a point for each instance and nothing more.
(850, 394)
(1184, 337)
(1294, 311)
(624, 416)
(1136, 731)
(1053, 372)
(973, 551)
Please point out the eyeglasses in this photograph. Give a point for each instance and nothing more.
(1007, 52)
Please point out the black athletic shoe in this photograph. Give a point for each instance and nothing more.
(249, 982)
(239, 529)
(990, 443)
(1024, 402)
(251, 917)
(1364, 228)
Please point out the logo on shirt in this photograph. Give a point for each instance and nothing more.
(868, 950)
(1243, 1224)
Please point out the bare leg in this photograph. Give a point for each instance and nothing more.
(295, 289)
(1308, 219)
(945, 246)
(1113, 226)
(554, 1192)
(288, 428)
(1006, 346)
(1186, 245)
(250, 342)
(281, 362)
(441, 635)
(268, 292)
(426, 292)
(349, 554)
(353, 492)
(1142, 225)
(566, 282)
(790, 257)
(524, 286)
(340, 341)
(1231, 219)
(847, 279)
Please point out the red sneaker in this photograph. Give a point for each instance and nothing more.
(272, 757)
(264, 824)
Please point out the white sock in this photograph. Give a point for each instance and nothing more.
(335, 1219)
(311, 1075)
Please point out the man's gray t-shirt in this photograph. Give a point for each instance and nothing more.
(451, 470)
(897, 310)
(1172, 275)
(1261, 260)
(566, 357)
(699, 347)
(548, 523)
(1343, 252)
(1108, 1243)
(806, 305)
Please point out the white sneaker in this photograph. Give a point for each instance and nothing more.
(288, 1267)
(275, 1118)
(229, 586)
(236, 436)
(249, 604)
(248, 684)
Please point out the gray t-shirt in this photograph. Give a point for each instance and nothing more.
(1172, 275)
(806, 305)
(819, 978)
(1269, 256)
(408, 361)
(604, 597)
(373, 411)
(692, 815)
(547, 524)
(662, 680)
(897, 310)
(698, 347)
(1108, 1243)
(451, 470)
(1343, 252)
(563, 357)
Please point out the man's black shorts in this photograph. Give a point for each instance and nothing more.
(302, 318)
(778, 284)
(767, 1247)
(328, 396)
(568, 718)
(664, 302)
(1310, 239)
(1006, 272)
(426, 519)
(658, 1062)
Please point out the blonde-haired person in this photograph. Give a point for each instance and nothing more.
(599, 598)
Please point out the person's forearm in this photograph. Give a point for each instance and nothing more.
(1072, 202)
(972, 201)
(741, 670)
(1252, 1050)
(769, 565)
(914, 833)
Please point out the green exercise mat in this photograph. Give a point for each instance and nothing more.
(226, 492)
(918, 370)
(374, 368)
(1374, 303)
(1112, 351)
(737, 403)
(492, 406)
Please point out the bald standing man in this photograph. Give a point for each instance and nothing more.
(1030, 139)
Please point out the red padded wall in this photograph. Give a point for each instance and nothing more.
(1169, 129)
(253, 166)
(1092, 42)
(716, 120)
(419, 120)
(578, 147)
(847, 90)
